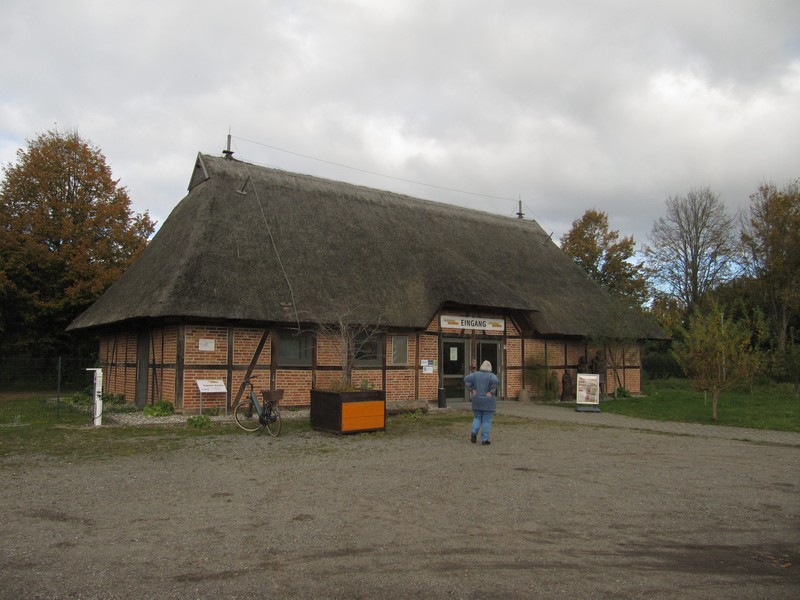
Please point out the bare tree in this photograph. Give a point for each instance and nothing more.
(694, 247)
(353, 328)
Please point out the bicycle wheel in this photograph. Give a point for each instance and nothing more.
(273, 415)
(246, 415)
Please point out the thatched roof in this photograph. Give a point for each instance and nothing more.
(261, 245)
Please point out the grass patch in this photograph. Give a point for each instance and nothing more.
(38, 410)
(54, 440)
(774, 407)
(82, 442)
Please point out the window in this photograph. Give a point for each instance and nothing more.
(368, 350)
(294, 349)
(399, 350)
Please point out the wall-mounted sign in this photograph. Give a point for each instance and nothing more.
(211, 386)
(482, 323)
(206, 345)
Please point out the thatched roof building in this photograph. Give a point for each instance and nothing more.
(260, 245)
(242, 278)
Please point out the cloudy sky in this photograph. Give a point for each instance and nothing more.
(566, 105)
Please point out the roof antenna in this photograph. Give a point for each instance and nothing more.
(520, 214)
(228, 152)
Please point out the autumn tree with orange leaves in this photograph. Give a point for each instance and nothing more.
(606, 257)
(67, 232)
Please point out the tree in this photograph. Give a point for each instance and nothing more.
(693, 248)
(606, 258)
(771, 237)
(715, 352)
(66, 234)
(352, 333)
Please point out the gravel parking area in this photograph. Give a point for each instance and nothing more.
(556, 507)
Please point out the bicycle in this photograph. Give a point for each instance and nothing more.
(252, 416)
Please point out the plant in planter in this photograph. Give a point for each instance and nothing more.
(354, 340)
(340, 406)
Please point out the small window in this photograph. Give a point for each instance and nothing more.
(294, 349)
(368, 350)
(399, 350)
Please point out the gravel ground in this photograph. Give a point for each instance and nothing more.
(557, 507)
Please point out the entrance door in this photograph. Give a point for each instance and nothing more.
(454, 369)
(490, 351)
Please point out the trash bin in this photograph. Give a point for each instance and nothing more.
(442, 398)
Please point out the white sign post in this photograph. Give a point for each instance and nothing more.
(97, 404)
(588, 393)
(211, 386)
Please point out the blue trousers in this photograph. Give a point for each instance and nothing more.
(482, 422)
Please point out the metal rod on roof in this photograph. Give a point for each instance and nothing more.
(520, 214)
(227, 152)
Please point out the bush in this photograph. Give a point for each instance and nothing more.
(659, 363)
(159, 409)
(114, 399)
(544, 380)
(82, 398)
(85, 398)
(199, 421)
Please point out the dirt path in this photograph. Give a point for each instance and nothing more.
(550, 510)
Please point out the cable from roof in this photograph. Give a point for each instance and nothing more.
(335, 164)
(271, 239)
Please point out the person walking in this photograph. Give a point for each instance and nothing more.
(483, 386)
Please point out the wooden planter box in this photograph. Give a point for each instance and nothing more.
(348, 412)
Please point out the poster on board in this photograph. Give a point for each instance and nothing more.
(588, 389)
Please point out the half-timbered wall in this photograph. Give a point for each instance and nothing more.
(180, 355)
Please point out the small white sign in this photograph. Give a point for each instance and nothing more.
(482, 323)
(207, 345)
(427, 370)
(211, 386)
(588, 389)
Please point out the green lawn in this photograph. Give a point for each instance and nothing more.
(33, 426)
(773, 407)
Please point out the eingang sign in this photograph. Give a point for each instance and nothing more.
(482, 323)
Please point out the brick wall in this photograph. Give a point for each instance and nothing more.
(245, 344)
(162, 354)
(329, 351)
(400, 385)
(428, 382)
(513, 383)
(296, 384)
(191, 393)
(207, 356)
(206, 345)
(119, 375)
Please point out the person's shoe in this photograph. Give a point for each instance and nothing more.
(473, 437)
(485, 443)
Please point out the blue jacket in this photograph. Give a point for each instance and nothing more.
(484, 384)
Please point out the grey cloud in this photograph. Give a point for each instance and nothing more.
(571, 105)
